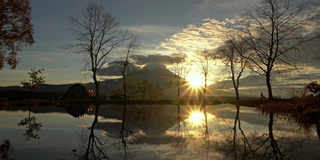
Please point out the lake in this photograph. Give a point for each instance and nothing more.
(154, 132)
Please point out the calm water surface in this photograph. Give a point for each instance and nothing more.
(155, 133)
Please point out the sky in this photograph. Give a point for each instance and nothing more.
(162, 27)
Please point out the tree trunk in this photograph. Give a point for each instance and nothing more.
(122, 131)
(237, 94)
(268, 82)
(235, 86)
(96, 83)
(179, 89)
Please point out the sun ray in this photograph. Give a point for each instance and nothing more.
(195, 80)
(197, 117)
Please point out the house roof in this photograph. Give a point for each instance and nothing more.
(88, 91)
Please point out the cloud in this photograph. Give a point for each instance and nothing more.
(114, 69)
(152, 59)
(207, 35)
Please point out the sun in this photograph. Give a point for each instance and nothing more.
(196, 118)
(195, 80)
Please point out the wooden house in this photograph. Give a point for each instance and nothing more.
(78, 91)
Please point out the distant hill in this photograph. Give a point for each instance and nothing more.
(154, 73)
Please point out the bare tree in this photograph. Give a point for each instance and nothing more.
(127, 69)
(203, 62)
(230, 55)
(15, 30)
(180, 70)
(275, 29)
(97, 35)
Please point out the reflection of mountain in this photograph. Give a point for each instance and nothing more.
(146, 120)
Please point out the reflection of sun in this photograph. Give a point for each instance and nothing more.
(195, 80)
(196, 118)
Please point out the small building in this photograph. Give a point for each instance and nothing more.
(78, 91)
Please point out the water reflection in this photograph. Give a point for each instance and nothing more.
(283, 146)
(180, 132)
(5, 149)
(169, 132)
(78, 110)
(32, 126)
(240, 145)
(251, 145)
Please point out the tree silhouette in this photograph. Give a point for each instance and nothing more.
(97, 34)
(93, 149)
(126, 70)
(275, 30)
(5, 149)
(15, 30)
(32, 126)
(35, 80)
(180, 70)
(230, 55)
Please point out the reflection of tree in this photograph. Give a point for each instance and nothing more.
(281, 147)
(302, 110)
(272, 144)
(276, 152)
(179, 68)
(94, 145)
(124, 131)
(180, 139)
(245, 141)
(5, 149)
(32, 126)
(139, 112)
(134, 113)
